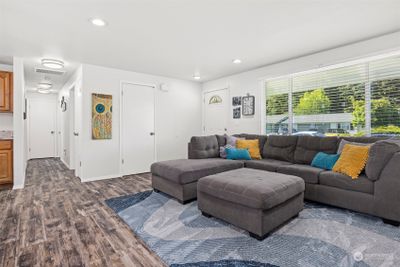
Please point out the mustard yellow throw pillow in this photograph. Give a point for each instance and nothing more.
(352, 160)
(251, 145)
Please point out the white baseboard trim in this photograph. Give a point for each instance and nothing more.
(92, 179)
(18, 186)
(62, 160)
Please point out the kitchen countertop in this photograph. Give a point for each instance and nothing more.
(6, 135)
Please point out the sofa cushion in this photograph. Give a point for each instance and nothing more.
(352, 160)
(338, 180)
(308, 146)
(308, 173)
(237, 154)
(261, 139)
(203, 147)
(221, 139)
(325, 161)
(379, 154)
(231, 140)
(252, 188)
(266, 164)
(251, 145)
(280, 147)
(185, 171)
(343, 142)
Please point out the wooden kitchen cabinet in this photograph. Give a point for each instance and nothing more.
(6, 91)
(6, 162)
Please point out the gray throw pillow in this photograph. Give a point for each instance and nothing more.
(345, 142)
(380, 154)
(222, 152)
(231, 140)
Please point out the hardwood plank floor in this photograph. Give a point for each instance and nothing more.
(58, 221)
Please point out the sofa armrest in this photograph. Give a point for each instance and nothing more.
(387, 190)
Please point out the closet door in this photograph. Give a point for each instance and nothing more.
(137, 128)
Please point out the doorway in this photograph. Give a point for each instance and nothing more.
(216, 111)
(137, 128)
(42, 126)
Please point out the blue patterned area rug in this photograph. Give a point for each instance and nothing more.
(320, 236)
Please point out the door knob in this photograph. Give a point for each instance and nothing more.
(152, 133)
(52, 132)
(76, 134)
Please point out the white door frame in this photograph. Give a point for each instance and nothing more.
(29, 97)
(121, 104)
(203, 120)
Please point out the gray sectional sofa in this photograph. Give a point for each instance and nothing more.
(375, 192)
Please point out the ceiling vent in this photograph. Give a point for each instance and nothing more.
(49, 71)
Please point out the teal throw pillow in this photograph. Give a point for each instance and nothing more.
(325, 161)
(237, 154)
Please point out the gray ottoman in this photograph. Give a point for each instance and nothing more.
(255, 200)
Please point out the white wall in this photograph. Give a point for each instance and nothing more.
(19, 149)
(6, 119)
(178, 117)
(251, 81)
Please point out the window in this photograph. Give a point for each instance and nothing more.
(359, 99)
(277, 106)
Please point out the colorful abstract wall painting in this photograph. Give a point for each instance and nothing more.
(101, 116)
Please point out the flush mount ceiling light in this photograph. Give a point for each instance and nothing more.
(43, 91)
(52, 63)
(236, 61)
(196, 77)
(45, 85)
(98, 22)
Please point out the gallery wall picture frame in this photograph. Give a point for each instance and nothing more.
(236, 101)
(236, 113)
(248, 105)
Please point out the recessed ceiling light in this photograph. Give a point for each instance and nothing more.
(43, 91)
(196, 77)
(98, 22)
(45, 85)
(236, 61)
(52, 63)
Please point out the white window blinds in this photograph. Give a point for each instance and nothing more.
(359, 99)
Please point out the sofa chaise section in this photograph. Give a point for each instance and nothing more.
(178, 178)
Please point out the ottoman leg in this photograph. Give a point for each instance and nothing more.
(259, 238)
(206, 214)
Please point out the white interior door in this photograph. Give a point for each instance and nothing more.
(138, 140)
(216, 112)
(42, 126)
(77, 128)
(71, 128)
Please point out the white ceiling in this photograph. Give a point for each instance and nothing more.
(178, 38)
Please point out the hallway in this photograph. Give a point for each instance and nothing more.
(58, 221)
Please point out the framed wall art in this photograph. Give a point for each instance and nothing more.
(101, 116)
(236, 101)
(248, 103)
(236, 113)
